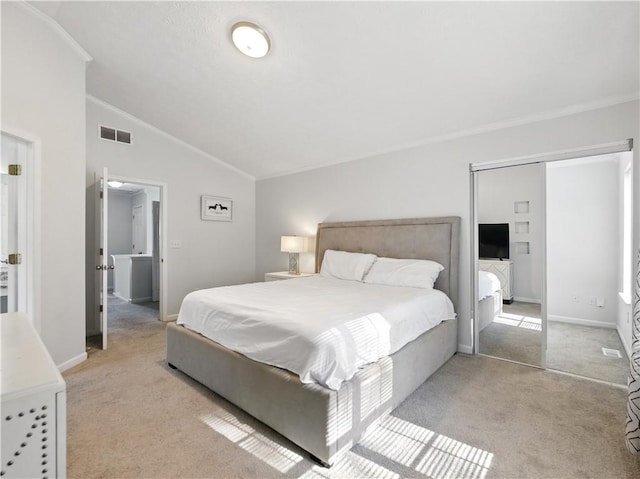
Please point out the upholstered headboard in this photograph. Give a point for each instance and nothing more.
(436, 239)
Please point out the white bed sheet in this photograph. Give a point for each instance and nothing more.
(323, 329)
(488, 283)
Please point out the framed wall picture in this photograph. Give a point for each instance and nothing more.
(215, 208)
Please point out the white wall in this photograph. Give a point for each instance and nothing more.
(213, 253)
(43, 94)
(498, 190)
(582, 240)
(431, 180)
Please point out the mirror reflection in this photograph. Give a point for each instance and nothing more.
(510, 278)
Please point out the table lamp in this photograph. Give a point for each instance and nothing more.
(294, 245)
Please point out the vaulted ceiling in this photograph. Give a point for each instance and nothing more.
(348, 80)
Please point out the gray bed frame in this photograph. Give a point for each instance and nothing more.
(321, 421)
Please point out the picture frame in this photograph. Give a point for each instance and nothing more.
(216, 208)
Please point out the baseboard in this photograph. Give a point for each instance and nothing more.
(62, 367)
(526, 300)
(170, 317)
(464, 348)
(580, 322)
(624, 344)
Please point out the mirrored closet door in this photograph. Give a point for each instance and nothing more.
(510, 219)
(561, 298)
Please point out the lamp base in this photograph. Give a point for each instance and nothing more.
(294, 263)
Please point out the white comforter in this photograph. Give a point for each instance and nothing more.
(322, 329)
(488, 283)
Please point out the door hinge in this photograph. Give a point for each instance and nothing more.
(101, 252)
(15, 170)
(100, 308)
(15, 258)
(101, 196)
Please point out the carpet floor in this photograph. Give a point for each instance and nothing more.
(129, 415)
(571, 348)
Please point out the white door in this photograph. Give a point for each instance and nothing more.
(102, 249)
(139, 230)
(13, 286)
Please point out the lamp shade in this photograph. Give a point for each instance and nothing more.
(293, 244)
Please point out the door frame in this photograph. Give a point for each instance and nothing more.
(164, 200)
(30, 211)
(474, 169)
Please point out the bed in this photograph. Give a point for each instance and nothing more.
(490, 299)
(321, 420)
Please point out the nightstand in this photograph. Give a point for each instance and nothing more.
(504, 271)
(280, 275)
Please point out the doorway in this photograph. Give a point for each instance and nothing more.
(18, 197)
(585, 266)
(579, 236)
(131, 290)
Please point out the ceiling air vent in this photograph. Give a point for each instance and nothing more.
(112, 134)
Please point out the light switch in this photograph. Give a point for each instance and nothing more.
(175, 244)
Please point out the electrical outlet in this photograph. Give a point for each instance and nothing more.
(575, 298)
(175, 244)
(591, 300)
(600, 302)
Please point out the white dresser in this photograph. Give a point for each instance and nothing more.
(34, 404)
(504, 271)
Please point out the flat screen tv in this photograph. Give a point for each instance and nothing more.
(494, 240)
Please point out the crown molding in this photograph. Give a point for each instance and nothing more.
(55, 27)
(488, 128)
(144, 124)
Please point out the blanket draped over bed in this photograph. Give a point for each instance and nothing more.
(325, 329)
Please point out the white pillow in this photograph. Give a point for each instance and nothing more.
(415, 273)
(345, 265)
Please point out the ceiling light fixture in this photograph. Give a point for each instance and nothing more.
(115, 184)
(250, 39)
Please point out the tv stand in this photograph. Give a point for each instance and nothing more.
(503, 269)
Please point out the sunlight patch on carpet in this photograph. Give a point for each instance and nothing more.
(519, 321)
(398, 440)
(265, 449)
(448, 458)
(350, 465)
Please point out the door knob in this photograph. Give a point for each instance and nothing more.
(111, 266)
(99, 267)
(102, 266)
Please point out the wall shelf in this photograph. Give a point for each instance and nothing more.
(521, 227)
(521, 207)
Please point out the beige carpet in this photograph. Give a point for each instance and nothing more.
(129, 415)
(578, 349)
(571, 348)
